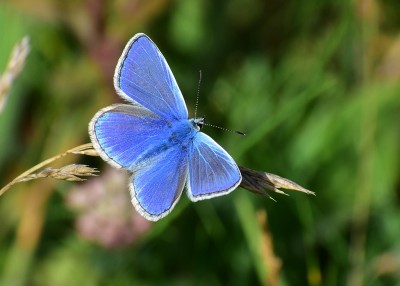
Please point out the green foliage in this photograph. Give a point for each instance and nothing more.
(315, 84)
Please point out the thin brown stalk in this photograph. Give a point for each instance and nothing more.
(70, 172)
(254, 181)
(272, 262)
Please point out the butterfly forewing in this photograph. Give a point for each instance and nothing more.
(156, 188)
(143, 76)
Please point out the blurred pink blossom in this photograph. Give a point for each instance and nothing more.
(105, 212)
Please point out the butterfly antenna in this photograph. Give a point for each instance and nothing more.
(198, 95)
(211, 125)
(226, 129)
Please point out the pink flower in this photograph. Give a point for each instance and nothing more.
(105, 212)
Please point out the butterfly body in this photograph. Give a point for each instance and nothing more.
(153, 139)
(183, 132)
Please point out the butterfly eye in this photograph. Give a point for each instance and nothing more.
(199, 123)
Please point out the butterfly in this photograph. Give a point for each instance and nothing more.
(154, 140)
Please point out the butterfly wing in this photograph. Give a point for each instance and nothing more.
(157, 187)
(134, 138)
(127, 135)
(143, 76)
(212, 171)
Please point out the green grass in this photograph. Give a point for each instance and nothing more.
(315, 84)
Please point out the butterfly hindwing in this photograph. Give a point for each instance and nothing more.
(143, 76)
(212, 171)
(157, 187)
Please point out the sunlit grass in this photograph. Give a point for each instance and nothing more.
(316, 93)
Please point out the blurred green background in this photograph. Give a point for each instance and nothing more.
(314, 83)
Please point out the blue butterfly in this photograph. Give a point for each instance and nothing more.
(153, 139)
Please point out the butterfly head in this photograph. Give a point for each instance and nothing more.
(198, 123)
